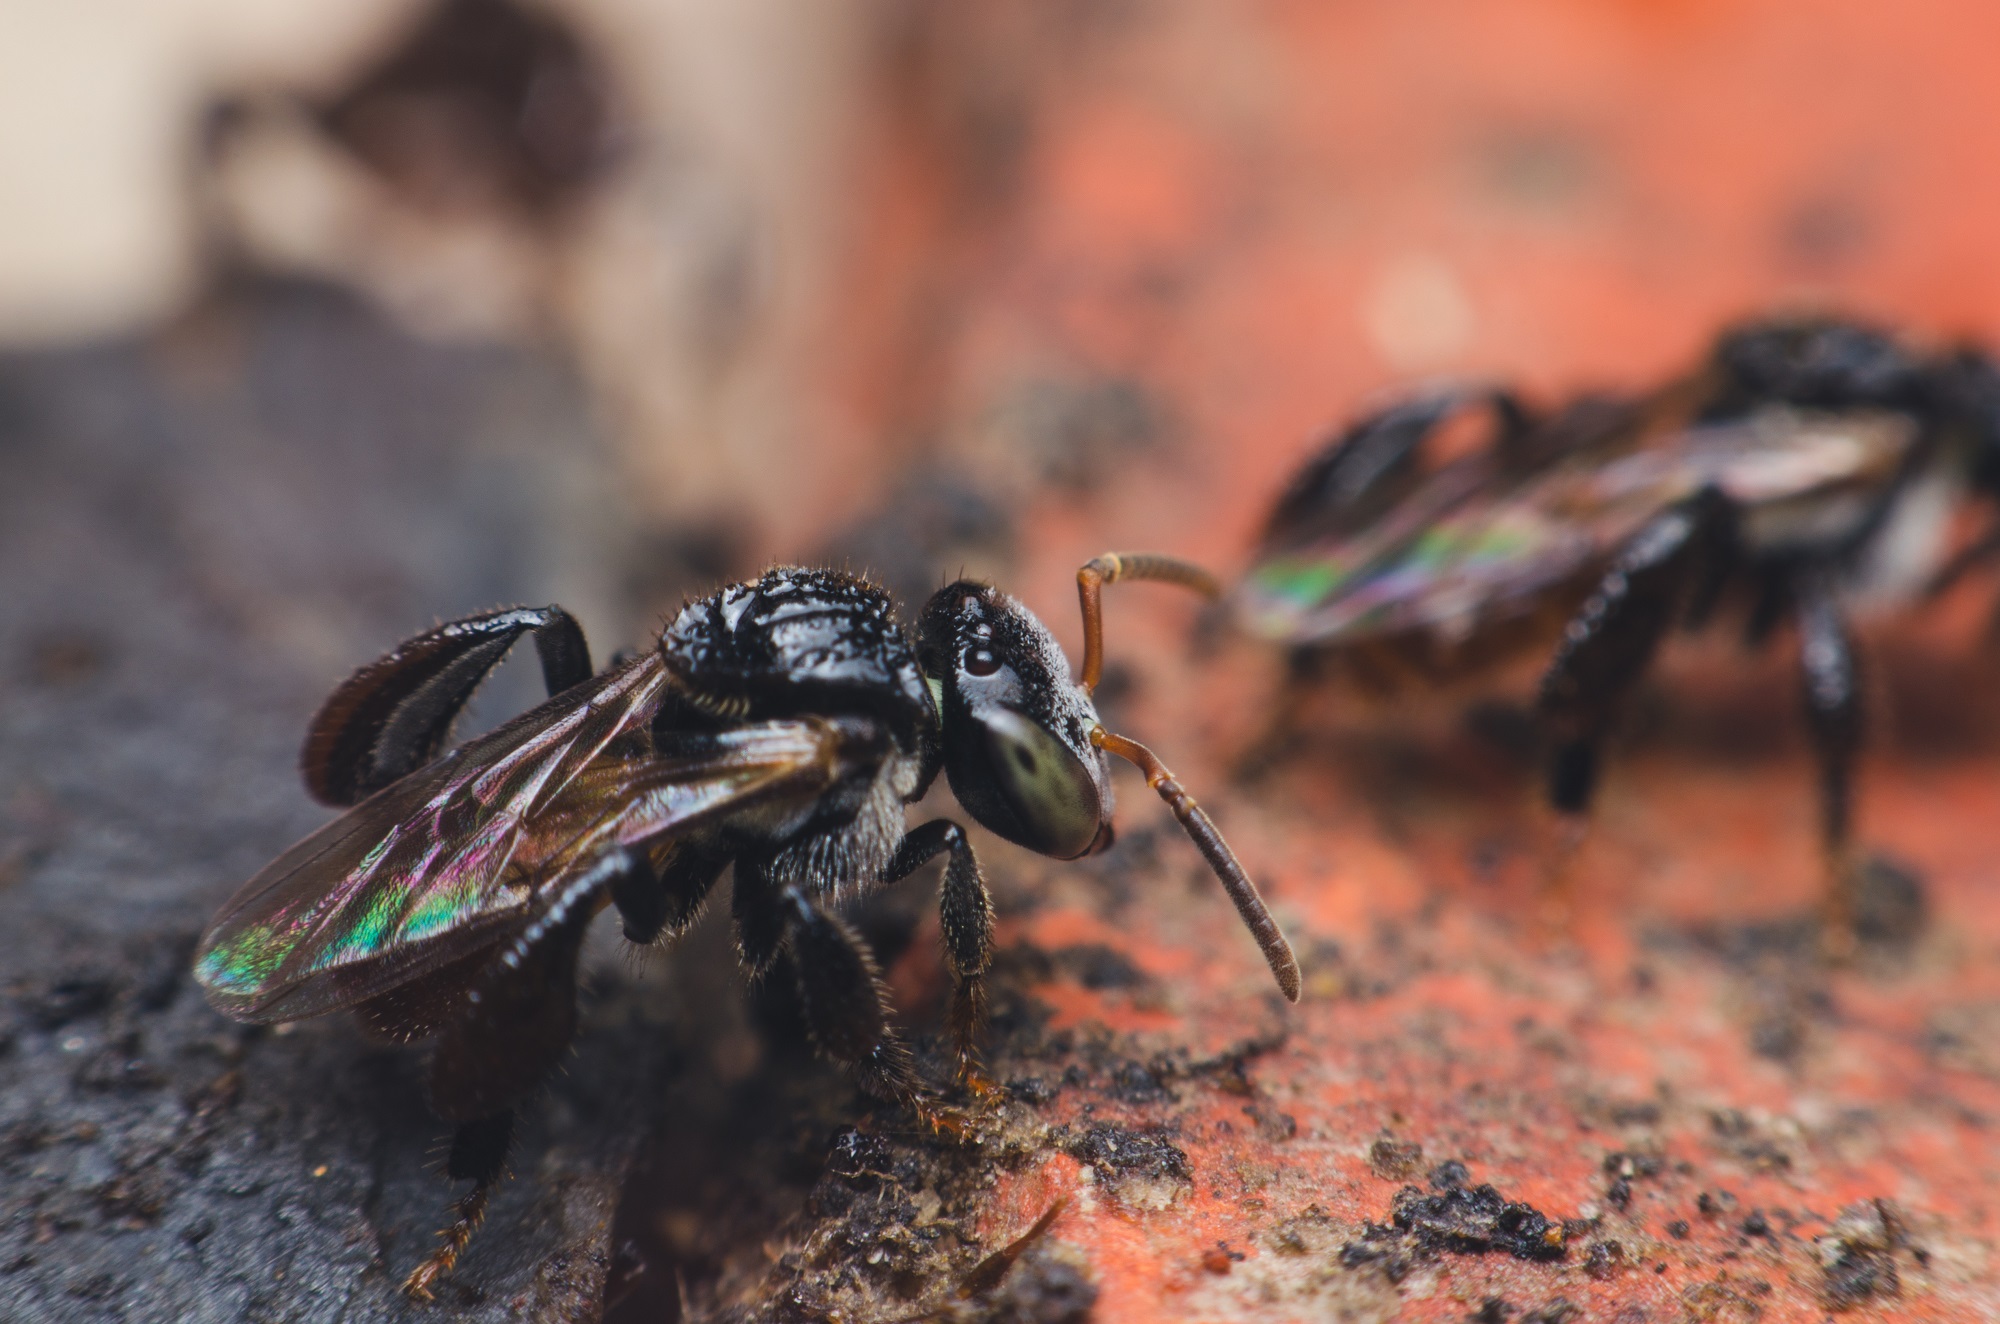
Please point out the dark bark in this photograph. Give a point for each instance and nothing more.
(199, 533)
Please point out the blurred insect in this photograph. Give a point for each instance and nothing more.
(1813, 463)
(779, 725)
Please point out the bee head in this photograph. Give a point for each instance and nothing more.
(1016, 727)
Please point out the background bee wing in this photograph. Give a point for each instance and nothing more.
(416, 874)
(1496, 544)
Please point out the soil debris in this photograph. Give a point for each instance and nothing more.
(1393, 1160)
(1117, 1151)
(1456, 1219)
(1858, 1254)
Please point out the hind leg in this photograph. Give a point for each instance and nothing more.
(513, 1022)
(395, 714)
(479, 1155)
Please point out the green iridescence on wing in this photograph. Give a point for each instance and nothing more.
(242, 964)
(441, 910)
(1299, 580)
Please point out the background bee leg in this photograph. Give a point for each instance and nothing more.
(965, 911)
(395, 714)
(1830, 688)
(846, 1006)
(1669, 565)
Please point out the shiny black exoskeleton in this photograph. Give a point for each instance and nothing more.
(782, 726)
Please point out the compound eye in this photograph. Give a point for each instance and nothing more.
(1052, 794)
(981, 661)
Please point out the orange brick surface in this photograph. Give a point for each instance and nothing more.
(1258, 214)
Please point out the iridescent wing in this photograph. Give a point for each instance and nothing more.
(1474, 544)
(462, 853)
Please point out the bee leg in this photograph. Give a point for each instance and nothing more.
(845, 1003)
(965, 911)
(1830, 685)
(517, 1018)
(1613, 638)
(395, 714)
(479, 1155)
(654, 901)
(1377, 455)
(760, 917)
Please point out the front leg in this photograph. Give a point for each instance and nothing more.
(965, 911)
(394, 715)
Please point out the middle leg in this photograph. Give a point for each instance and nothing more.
(1610, 642)
(1672, 566)
(845, 1003)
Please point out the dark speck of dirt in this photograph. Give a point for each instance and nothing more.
(1678, 1229)
(1449, 1175)
(1887, 901)
(1097, 966)
(68, 1000)
(1604, 1258)
(1715, 1203)
(1394, 1160)
(1635, 1114)
(1273, 1126)
(1493, 1310)
(1458, 1220)
(1044, 1288)
(856, 1156)
(1624, 1168)
(1561, 1310)
(1476, 1220)
(1619, 1163)
(1780, 1036)
(1133, 1083)
(1120, 1151)
(1032, 1089)
(1757, 1225)
(1858, 1255)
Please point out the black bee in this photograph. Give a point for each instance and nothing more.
(1812, 462)
(780, 726)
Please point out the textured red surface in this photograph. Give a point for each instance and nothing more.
(1261, 213)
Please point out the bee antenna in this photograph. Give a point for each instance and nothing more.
(1208, 839)
(1109, 569)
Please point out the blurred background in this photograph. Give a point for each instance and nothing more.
(321, 322)
(806, 263)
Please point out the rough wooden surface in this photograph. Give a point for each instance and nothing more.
(200, 530)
